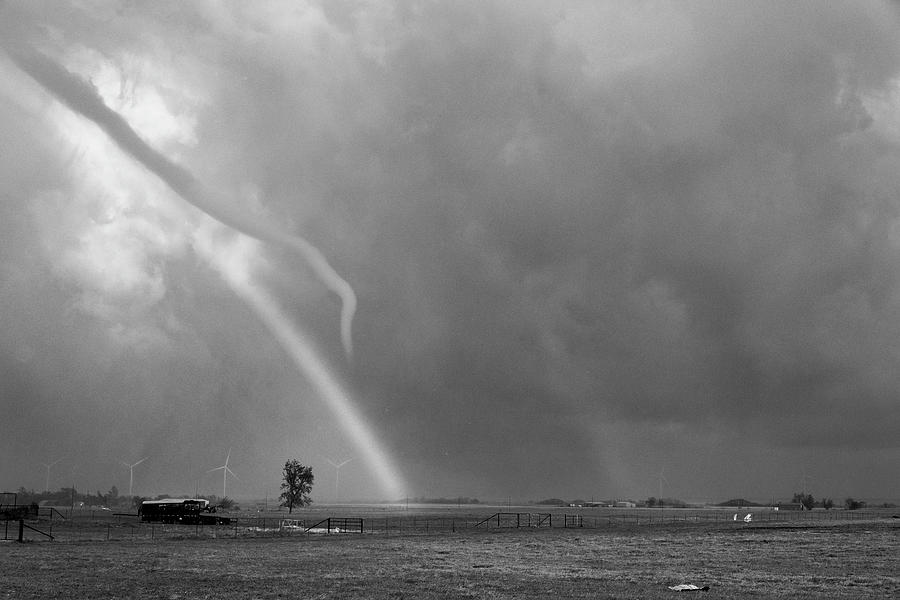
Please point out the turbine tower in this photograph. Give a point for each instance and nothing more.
(337, 473)
(225, 472)
(47, 482)
(805, 483)
(661, 479)
(131, 473)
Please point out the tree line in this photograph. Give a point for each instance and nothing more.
(297, 481)
(69, 496)
(850, 503)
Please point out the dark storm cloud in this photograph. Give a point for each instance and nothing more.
(589, 239)
(685, 243)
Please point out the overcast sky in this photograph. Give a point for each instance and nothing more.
(598, 249)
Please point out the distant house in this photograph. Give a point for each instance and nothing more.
(625, 504)
(789, 506)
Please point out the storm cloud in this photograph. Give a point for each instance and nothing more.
(590, 241)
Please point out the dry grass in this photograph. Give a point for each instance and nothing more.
(840, 560)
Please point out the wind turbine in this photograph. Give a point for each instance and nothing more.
(47, 483)
(661, 479)
(337, 473)
(131, 473)
(225, 471)
(804, 483)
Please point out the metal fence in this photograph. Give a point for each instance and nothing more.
(107, 527)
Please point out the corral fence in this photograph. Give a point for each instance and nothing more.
(338, 525)
(509, 520)
(96, 526)
(573, 521)
(21, 527)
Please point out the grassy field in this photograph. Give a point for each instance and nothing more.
(797, 560)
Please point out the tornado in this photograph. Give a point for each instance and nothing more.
(301, 351)
(83, 98)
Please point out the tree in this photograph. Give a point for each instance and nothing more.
(851, 504)
(806, 500)
(297, 484)
(827, 503)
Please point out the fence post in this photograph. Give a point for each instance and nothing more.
(21, 530)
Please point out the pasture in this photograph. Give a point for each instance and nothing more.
(817, 555)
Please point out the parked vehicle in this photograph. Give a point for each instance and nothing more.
(189, 511)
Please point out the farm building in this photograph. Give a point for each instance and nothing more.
(625, 504)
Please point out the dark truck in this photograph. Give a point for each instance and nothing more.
(188, 511)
